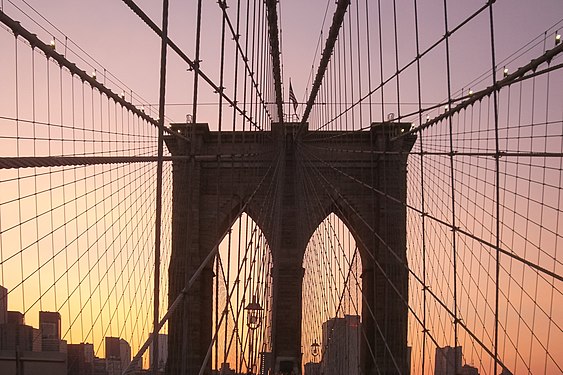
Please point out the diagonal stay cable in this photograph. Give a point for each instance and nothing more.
(415, 276)
(511, 78)
(196, 274)
(236, 37)
(220, 90)
(413, 61)
(319, 175)
(230, 295)
(239, 271)
(459, 230)
(339, 213)
(410, 271)
(519, 74)
(463, 100)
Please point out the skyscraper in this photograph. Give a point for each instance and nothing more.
(3, 305)
(341, 346)
(50, 326)
(99, 366)
(112, 347)
(446, 360)
(21, 345)
(16, 335)
(124, 354)
(118, 355)
(15, 318)
(162, 352)
(37, 342)
(80, 359)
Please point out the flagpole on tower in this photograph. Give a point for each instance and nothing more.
(293, 99)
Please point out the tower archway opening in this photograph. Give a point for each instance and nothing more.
(332, 300)
(242, 299)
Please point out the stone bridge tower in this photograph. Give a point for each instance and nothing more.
(273, 176)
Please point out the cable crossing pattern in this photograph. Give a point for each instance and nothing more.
(405, 215)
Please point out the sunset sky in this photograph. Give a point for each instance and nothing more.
(115, 37)
(107, 37)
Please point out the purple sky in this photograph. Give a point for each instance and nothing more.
(117, 39)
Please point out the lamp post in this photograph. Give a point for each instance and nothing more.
(253, 321)
(315, 350)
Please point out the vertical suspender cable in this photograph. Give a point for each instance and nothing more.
(224, 313)
(359, 60)
(381, 80)
(33, 114)
(422, 184)
(196, 62)
(452, 182)
(497, 186)
(368, 53)
(157, 230)
(397, 75)
(245, 86)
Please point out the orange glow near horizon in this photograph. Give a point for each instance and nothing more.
(484, 184)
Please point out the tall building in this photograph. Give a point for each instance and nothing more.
(162, 352)
(124, 353)
(20, 346)
(80, 359)
(446, 360)
(14, 333)
(14, 336)
(99, 366)
(112, 347)
(15, 318)
(341, 346)
(118, 355)
(113, 366)
(3, 305)
(37, 345)
(50, 326)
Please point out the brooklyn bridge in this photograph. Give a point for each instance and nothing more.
(281, 187)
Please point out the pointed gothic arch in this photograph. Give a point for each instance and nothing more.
(367, 190)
